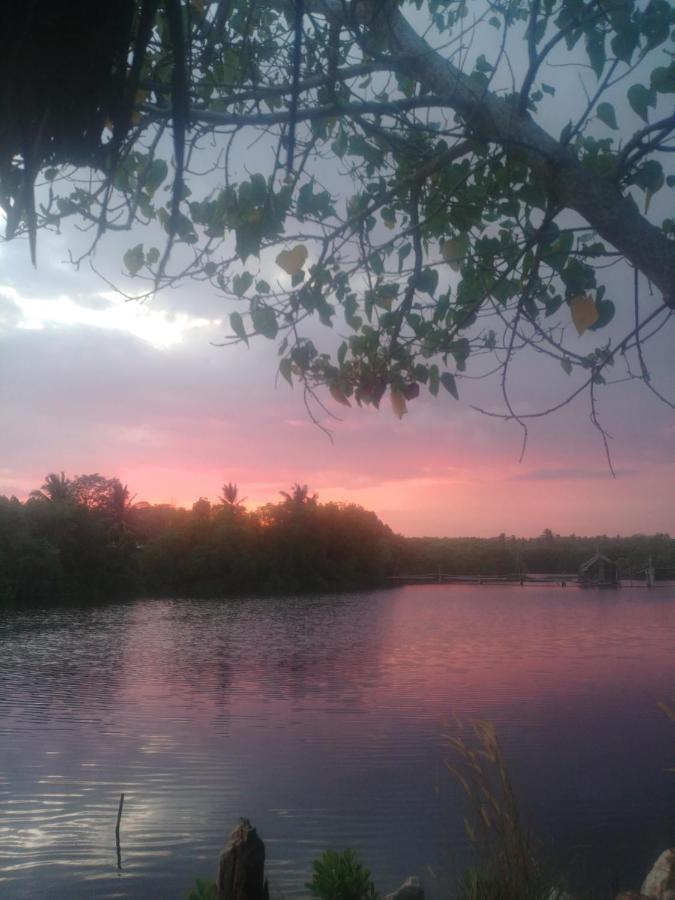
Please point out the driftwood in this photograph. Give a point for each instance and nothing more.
(241, 868)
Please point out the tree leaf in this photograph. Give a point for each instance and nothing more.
(292, 261)
(286, 369)
(605, 112)
(566, 363)
(427, 281)
(134, 259)
(237, 325)
(338, 395)
(453, 252)
(606, 311)
(663, 79)
(398, 403)
(265, 321)
(450, 384)
(584, 312)
(641, 99)
(241, 283)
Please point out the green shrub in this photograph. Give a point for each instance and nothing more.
(340, 876)
(204, 889)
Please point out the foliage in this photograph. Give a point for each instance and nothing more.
(416, 194)
(507, 866)
(340, 876)
(204, 889)
(64, 541)
(546, 554)
(70, 546)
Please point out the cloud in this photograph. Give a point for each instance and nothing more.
(573, 474)
(10, 312)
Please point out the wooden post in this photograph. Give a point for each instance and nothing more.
(241, 868)
(117, 832)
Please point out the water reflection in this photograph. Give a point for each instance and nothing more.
(321, 719)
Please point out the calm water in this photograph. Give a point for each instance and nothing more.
(322, 720)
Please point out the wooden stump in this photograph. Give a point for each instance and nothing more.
(241, 868)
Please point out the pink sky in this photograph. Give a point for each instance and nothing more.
(89, 383)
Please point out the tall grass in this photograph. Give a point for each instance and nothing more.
(506, 859)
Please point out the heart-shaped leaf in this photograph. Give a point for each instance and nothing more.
(398, 403)
(292, 261)
(584, 312)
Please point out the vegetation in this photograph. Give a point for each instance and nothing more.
(86, 537)
(548, 553)
(340, 876)
(507, 867)
(444, 184)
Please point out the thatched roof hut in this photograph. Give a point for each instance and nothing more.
(598, 571)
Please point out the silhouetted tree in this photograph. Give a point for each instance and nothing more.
(56, 489)
(299, 496)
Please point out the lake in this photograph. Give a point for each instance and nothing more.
(322, 719)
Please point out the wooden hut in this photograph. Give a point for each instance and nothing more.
(599, 571)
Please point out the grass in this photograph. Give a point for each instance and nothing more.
(507, 863)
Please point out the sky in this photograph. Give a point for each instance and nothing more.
(90, 382)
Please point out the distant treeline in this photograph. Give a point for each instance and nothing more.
(548, 554)
(85, 537)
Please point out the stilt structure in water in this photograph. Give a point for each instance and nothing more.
(650, 575)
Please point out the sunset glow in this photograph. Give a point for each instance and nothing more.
(92, 383)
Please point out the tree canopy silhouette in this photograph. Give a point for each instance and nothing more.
(420, 176)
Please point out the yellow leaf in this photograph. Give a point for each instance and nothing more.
(453, 252)
(584, 312)
(292, 261)
(398, 403)
(141, 97)
(338, 395)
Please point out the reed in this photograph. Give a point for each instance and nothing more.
(507, 865)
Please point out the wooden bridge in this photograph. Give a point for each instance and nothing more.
(515, 578)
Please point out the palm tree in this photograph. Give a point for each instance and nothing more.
(299, 496)
(56, 489)
(120, 504)
(228, 496)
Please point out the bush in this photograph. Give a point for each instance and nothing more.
(340, 876)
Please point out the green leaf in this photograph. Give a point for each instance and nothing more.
(595, 47)
(662, 79)
(427, 281)
(605, 112)
(134, 259)
(241, 283)
(265, 321)
(449, 383)
(155, 175)
(548, 89)
(566, 363)
(237, 325)
(649, 176)
(606, 310)
(152, 256)
(640, 99)
(286, 369)
(625, 41)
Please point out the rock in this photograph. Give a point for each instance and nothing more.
(661, 880)
(241, 867)
(411, 889)
(630, 895)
